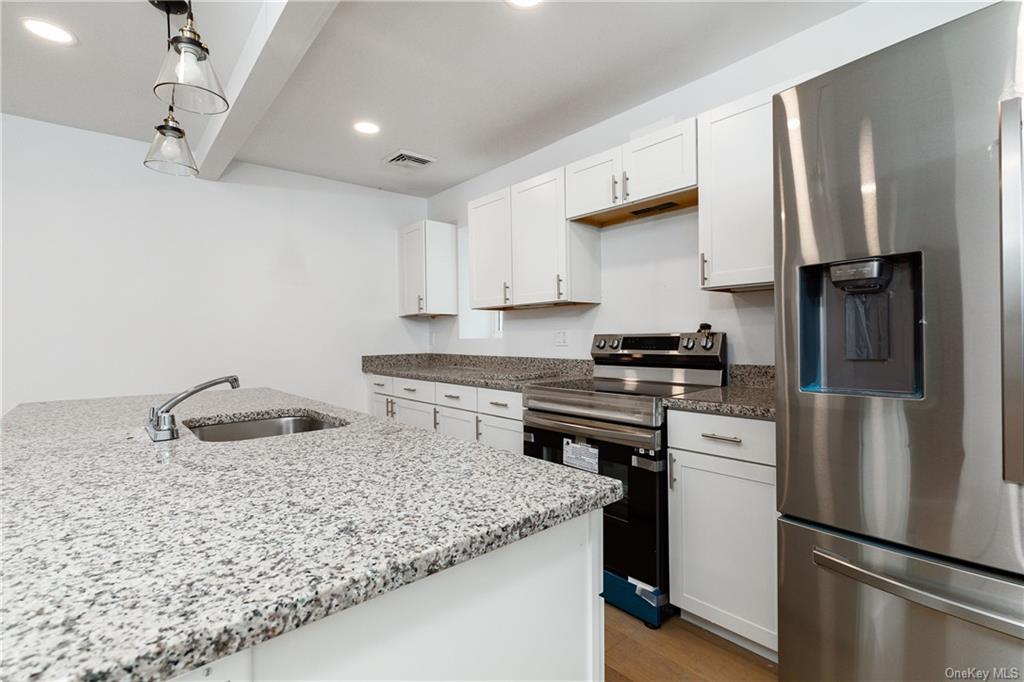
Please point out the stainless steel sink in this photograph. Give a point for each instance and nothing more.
(261, 428)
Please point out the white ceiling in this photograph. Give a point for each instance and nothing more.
(480, 84)
(476, 84)
(105, 82)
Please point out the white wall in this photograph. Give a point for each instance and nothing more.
(650, 267)
(118, 280)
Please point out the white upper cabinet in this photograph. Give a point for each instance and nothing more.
(490, 251)
(594, 183)
(660, 162)
(736, 213)
(549, 260)
(539, 239)
(428, 275)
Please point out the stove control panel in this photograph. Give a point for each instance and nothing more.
(703, 342)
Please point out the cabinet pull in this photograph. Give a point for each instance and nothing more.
(419, 303)
(615, 185)
(452, 396)
(671, 471)
(478, 427)
(504, 292)
(725, 439)
(625, 186)
(435, 419)
(703, 269)
(498, 403)
(389, 408)
(411, 390)
(558, 286)
(378, 383)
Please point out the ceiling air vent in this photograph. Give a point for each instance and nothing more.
(407, 159)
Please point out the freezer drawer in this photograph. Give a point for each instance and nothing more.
(854, 610)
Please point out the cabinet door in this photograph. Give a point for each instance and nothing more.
(501, 433)
(414, 413)
(459, 424)
(379, 405)
(593, 184)
(722, 552)
(412, 273)
(736, 214)
(539, 239)
(490, 251)
(661, 161)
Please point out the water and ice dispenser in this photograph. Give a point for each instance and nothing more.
(861, 330)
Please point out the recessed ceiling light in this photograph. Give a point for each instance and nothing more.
(366, 127)
(48, 31)
(524, 4)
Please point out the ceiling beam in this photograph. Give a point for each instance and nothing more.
(281, 34)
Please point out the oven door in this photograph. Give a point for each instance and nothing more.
(635, 527)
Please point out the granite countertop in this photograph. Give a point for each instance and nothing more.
(750, 393)
(506, 373)
(127, 558)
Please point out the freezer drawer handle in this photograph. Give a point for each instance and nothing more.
(726, 439)
(1011, 219)
(905, 590)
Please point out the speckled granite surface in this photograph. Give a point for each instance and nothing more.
(507, 373)
(122, 558)
(750, 393)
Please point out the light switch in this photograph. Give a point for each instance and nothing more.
(561, 338)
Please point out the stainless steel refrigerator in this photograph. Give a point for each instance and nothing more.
(900, 352)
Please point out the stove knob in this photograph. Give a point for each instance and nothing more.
(601, 343)
(614, 344)
(688, 343)
(707, 343)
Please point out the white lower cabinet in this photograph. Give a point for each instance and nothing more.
(501, 433)
(380, 405)
(459, 424)
(722, 552)
(413, 413)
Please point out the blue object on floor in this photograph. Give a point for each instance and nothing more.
(622, 594)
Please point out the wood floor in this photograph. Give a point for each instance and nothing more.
(677, 651)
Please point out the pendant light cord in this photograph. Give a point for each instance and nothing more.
(167, 11)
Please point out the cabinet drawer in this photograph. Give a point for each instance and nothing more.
(500, 403)
(751, 440)
(453, 395)
(381, 384)
(414, 389)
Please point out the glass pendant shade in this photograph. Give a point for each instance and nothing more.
(169, 152)
(186, 80)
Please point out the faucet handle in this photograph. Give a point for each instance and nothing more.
(152, 415)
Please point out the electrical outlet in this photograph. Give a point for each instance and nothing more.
(561, 338)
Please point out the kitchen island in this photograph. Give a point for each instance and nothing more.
(369, 550)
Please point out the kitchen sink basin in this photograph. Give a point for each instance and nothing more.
(261, 428)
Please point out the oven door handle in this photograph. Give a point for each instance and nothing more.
(648, 439)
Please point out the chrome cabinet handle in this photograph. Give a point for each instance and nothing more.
(377, 383)
(1011, 223)
(703, 269)
(625, 186)
(435, 419)
(615, 185)
(419, 303)
(505, 288)
(726, 439)
(671, 471)
(498, 403)
(452, 396)
(410, 390)
(904, 589)
(478, 433)
(558, 286)
(389, 408)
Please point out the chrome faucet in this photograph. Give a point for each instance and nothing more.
(161, 425)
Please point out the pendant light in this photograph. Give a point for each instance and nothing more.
(170, 152)
(186, 79)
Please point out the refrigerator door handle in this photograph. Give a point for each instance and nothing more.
(1011, 219)
(905, 590)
